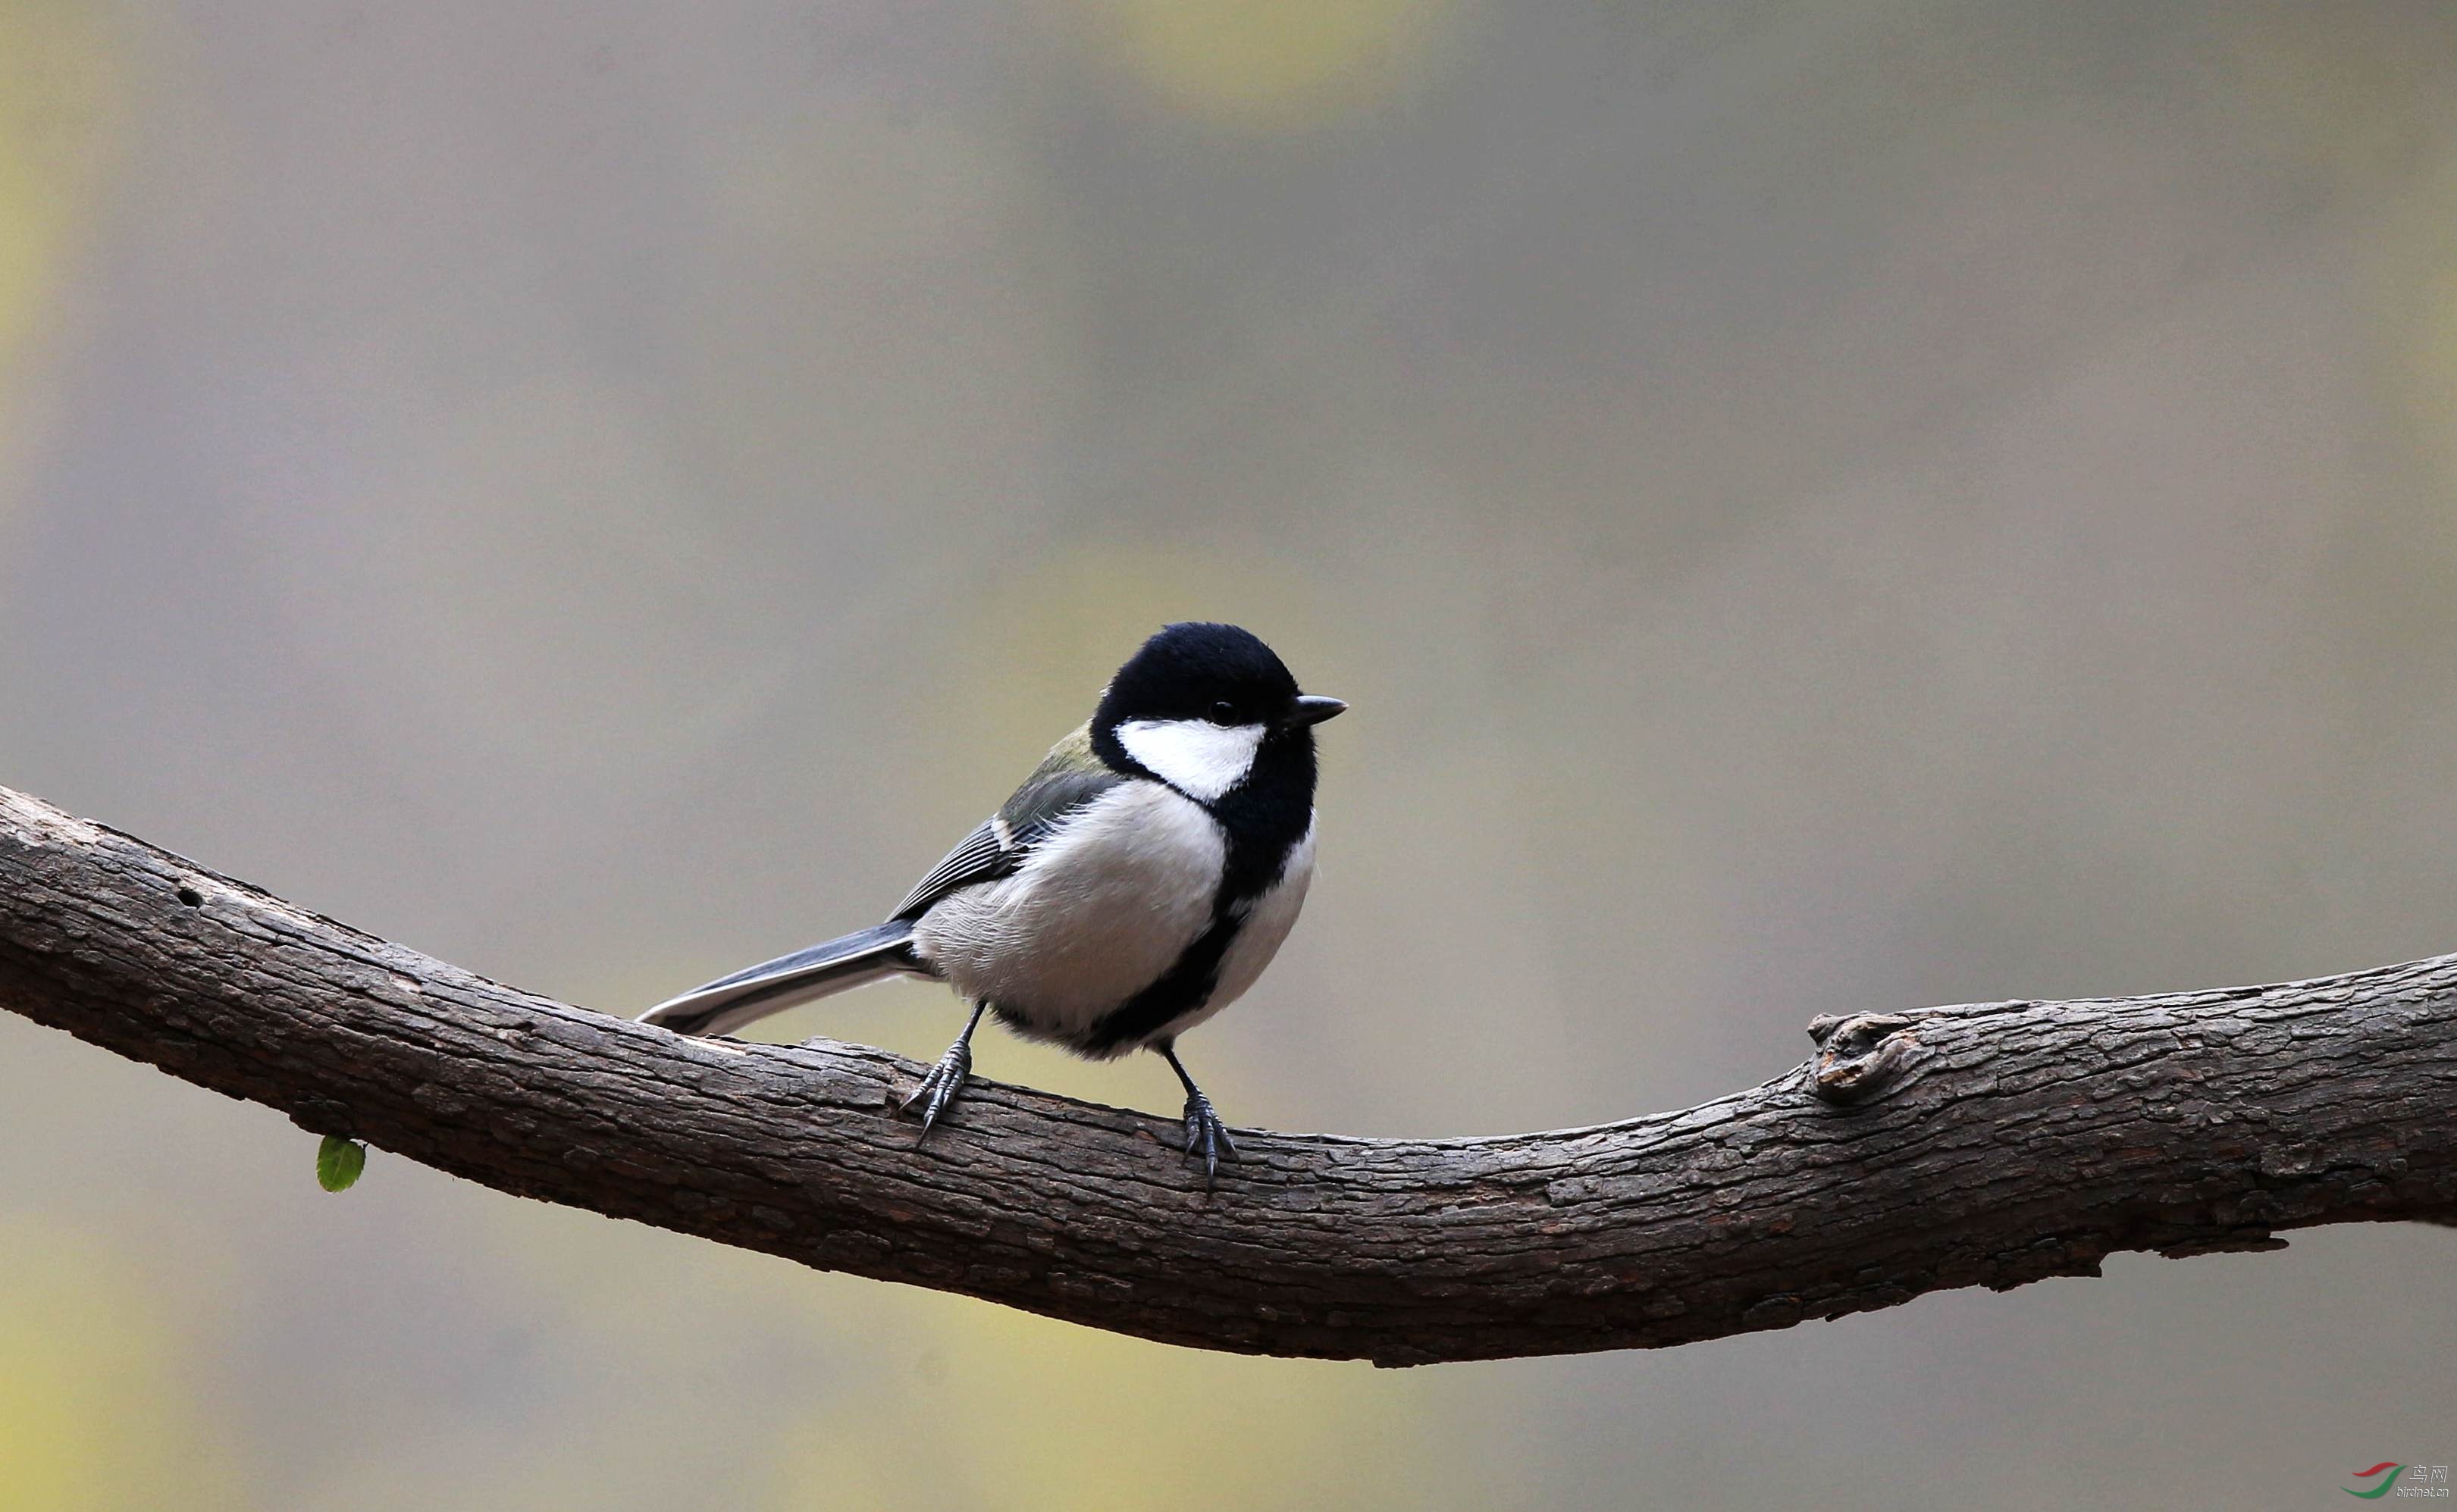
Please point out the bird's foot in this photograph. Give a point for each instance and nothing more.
(1206, 1136)
(936, 1092)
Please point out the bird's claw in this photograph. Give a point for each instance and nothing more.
(937, 1091)
(1206, 1136)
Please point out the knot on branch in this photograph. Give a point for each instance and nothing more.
(1860, 1057)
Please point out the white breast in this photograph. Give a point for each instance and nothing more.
(1096, 914)
(1267, 923)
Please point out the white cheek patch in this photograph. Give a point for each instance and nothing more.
(1198, 758)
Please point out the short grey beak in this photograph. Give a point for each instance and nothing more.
(1313, 709)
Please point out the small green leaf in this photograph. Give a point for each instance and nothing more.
(339, 1162)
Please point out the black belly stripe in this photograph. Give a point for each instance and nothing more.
(1261, 821)
(1185, 987)
(1180, 990)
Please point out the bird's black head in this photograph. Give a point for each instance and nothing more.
(1203, 706)
(1196, 670)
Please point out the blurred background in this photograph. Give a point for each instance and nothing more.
(1818, 507)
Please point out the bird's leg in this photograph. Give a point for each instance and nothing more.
(1204, 1133)
(938, 1090)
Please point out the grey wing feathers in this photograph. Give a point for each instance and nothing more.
(1051, 798)
(771, 987)
(1066, 780)
(981, 857)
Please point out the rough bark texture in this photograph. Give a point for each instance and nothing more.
(1989, 1144)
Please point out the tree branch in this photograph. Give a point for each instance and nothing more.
(1990, 1144)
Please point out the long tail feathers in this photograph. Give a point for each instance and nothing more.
(771, 987)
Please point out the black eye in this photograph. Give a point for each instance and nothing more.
(1224, 712)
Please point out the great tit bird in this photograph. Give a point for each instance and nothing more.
(1135, 885)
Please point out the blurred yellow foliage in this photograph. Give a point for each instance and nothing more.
(890, 1397)
(57, 92)
(95, 1413)
(1270, 62)
(2435, 367)
(2343, 89)
(1012, 1411)
(1045, 640)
